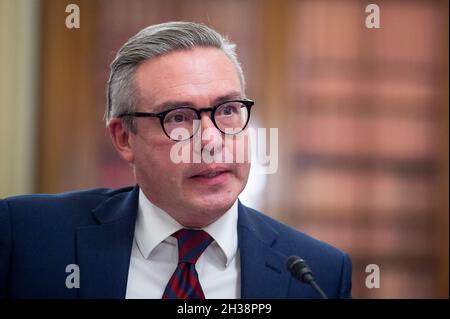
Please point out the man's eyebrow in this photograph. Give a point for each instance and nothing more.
(177, 103)
(227, 97)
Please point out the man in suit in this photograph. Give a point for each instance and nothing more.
(180, 232)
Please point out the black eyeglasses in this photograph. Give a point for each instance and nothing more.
(230, 117)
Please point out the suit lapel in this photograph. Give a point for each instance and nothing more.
(263, 273)
(104, 250)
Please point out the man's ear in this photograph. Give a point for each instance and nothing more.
(120, 136)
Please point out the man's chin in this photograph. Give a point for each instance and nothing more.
(215, 203)
(204, 211)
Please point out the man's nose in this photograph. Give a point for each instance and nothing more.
(210, 133)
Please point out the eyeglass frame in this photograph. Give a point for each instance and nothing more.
(161, 115)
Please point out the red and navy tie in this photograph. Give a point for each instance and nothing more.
(184, 282)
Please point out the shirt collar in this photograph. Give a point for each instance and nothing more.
(153, 226)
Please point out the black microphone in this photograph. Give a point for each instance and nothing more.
(300, 270)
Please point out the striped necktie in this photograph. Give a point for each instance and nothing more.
(184, 283)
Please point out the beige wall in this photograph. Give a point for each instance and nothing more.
(18, 64)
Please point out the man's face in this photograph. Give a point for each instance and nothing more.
(195, 194)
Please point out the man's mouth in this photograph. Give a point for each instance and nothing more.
(212, 176)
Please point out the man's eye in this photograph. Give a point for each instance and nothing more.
(178, 118)
(229, 110)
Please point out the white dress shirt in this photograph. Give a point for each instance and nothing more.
(154, 255)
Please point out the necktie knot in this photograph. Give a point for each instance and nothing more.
(191, 244)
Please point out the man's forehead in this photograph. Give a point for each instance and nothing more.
(176, 65)
(188, 77)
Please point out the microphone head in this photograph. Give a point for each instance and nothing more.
(299, 269)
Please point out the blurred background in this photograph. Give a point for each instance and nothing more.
(362, 116)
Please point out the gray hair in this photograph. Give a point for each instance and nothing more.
(152, 42)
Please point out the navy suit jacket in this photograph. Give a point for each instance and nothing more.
(41, 234)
